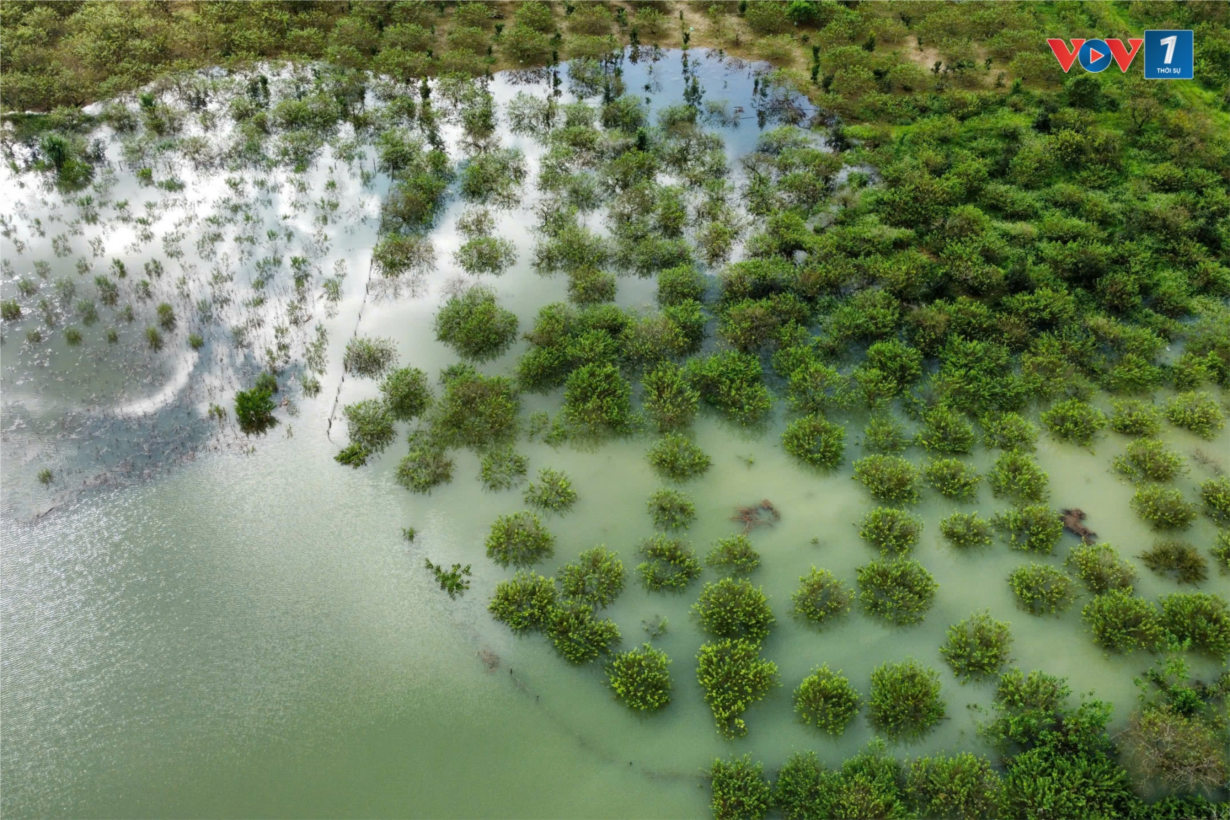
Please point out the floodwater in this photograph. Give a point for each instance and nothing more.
(249, 634)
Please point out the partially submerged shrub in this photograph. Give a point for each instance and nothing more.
(1200, 621)
(552, 492)
(893, 532)
(1008, 431)
(671, 510)
(890, 479)
(1074, 420)
(815, 441)
(670, 400)
(1100, 569)
(1172, 556)
(1221, 551)
(952, 478)
(1197, 412)
(1041, 589)
(369, 357)
(733, 608)
(1122, 622)
(735, 555)
(734, 676)
(740, 789)
(598, 399)
(899, 591)
(578, 635)
(673, 456)
(1018, 477)
(475, 326)
(977, 646)
(1033, 528)
(1148, 458)
(959, 786)
(595, 579)
(502, 468)
(639, 677)
(905, 699)
(475, 411)
(946, 431)
(254, 410)
(1164, 509)
(525, 602)
(884, 434)
(1215, 493)
(964, 530)
(1135, 418)
(519, 540)
(733, 383)
(670, 564)
(826, 700)
(821, 597)
(369, 424)
(426, 466)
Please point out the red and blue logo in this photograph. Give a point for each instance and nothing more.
(1095, 55)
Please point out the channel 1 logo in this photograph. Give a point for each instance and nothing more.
(1169, 55)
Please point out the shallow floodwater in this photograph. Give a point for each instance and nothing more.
(249, 634)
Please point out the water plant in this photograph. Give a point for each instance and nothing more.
(426, 466)
(597, 399)
(45, 476)
(671, 509)
(1018, 477)
(670, 400)
(520, 540)
(952, 478)
(1148, 458)
(1173, 556)
(502, 468)
(1164, 509)
(1042, 590)
(674, 456)
(475, 326)
(1122, 622)
(475, 411)
(1100, 569)
(454, 581)
(890, 479)
(1033, 528)
(640, 678)
(821, 597)
(731, 382)
(960, 786)
(1215, 493)
(977, 646)
(1198, 620)
(578, 635)
(899, 591)
(733, 608)
(595, 579)
(740, 789)
(369, 424)
(1221, 551)
(826, 700)
(552, 492)
(406, 393)
(734, 554)
(1074, 420)
(965, 530)
(946, 431)
(893, 532)
(815, 441)
(254, 410)
(1134, 417)
(1197, 412)
(885, 434)
(369, 357)
(734, 677)
(1008, 431)
(905, 699)
(524, 602)
(670, 564)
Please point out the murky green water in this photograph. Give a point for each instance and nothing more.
(248, 634)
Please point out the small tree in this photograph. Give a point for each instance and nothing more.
(640, 678)
(254, 410)
(740, 789)
(734, 676)
(826, 700)
(905, 699)
(519, 539)
(977, 646)
(733, 608)
(821, 597)
(899, 591)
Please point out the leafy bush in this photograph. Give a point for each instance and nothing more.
(1074, 420)
(1188, 565)
(893, 532)
(767, 17)
(899, 591)
(815, 441)
(1033, 528)
(406, 393)
(494, 177)
(884, 434)
(952, 478)
(595, 579)
(426, 466)
(673, 456)
(1148, 458)
(733, 608)
(475, 411)
(369, 424)
(890, 479)
(733, 383)
(734, 676)
(1008, 431)
(1018, 477)
(1164, 509)
(1215, 493)
(670, 400)
(1135, 418)
(821, 597)
(734, 555)
(905, 699)
(1197, 412)
(527, 601)
(946, 431)
(1221, 550)
(369, 357)
(552, 493)
(590, 286)
(1100, 569)
(639, 677)
(740, 790)
(1041, 589)
(959, 786)
(680, 284)
(486, 254)
(578, 635)
(966, 530)
(1200, 620)
(519, 539)
(597, 399)
(669, 564)
(1122, 622)
(254, 410)
(502, 468)
(977, 646)
(826, 700)
(476, 326)
(671, 510)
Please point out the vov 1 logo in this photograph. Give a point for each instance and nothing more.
(1169, 55)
